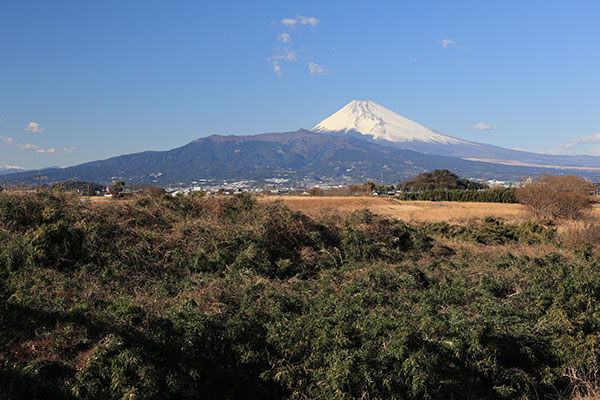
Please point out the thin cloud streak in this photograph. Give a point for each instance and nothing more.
(8, 166)
(575, 142)
(483, 126)
(299, 20)
(7, 140)
(42, 150)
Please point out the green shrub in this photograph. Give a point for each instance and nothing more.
(500, 195)
(492, 230)
(195, 297)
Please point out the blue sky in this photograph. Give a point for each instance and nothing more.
(84, 80)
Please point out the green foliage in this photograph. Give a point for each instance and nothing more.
(494, 231)
(117, 189)
(79, 187)
(196, 297)
(500, 195)
(367, 236)
(56, 245)
(440, 179)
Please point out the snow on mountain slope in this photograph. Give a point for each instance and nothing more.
(369, 118)
(386, 127)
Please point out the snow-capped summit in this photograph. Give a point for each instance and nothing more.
(369, 118)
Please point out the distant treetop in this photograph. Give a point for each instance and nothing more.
(439, 179)
(81, 187)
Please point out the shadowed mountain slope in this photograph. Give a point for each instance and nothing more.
(298, 156)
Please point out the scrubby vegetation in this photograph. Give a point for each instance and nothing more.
(194, 297)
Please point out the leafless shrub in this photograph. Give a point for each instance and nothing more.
(578, 234)
(584, 386)
(556, 196)
(316, 192)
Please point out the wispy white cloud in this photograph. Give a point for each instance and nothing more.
(6, 140)
(288, 21)
(284, 38)
(277, 69)
(483, 126)
(37, 149)
(315, 68)
(285, 54)
(34, 127)
(8, 166)
(299, 20)
(447, 43)
(576, 142)
(28, 146)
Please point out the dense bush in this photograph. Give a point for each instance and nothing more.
(194, 297)
(494, 231)
(440, 179)
(500, 195)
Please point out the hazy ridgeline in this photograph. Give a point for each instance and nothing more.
(192, 297)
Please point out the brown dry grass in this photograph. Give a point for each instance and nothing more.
(408, 211)
(456, 213)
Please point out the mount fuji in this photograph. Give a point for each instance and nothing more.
(374, 122)
(371, 119)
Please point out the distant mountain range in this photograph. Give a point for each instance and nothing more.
(363, 141)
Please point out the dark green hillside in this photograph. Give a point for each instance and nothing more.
(289, 155)
(226, 298)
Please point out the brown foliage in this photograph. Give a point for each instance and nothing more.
(579, 234)
(316, 192)
(556, 196)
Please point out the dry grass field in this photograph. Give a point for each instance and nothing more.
(455, 213)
